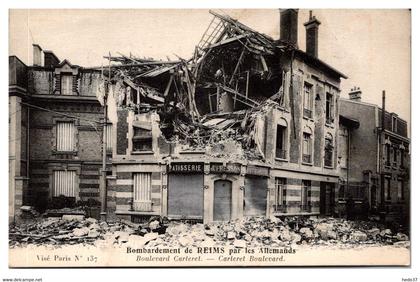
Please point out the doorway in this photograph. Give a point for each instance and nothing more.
(222, 204)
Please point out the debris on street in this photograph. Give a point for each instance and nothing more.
(249, 232)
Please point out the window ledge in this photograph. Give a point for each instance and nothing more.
(284, 109)
(281, 159)
(55, 152)
(308, 164)
(329, 167)
(142, 152)
(308, 118)
(193, 152)
(136, 212)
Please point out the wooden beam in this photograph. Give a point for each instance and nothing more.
(237, 65)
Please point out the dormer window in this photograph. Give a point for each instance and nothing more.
(66, 79)
(66, 84)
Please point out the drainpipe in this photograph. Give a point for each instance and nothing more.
(104, 147)
(381, 144)
(27, 141)
(348, 161)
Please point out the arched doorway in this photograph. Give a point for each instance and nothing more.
(222, 204)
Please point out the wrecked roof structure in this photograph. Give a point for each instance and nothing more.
(233, 78)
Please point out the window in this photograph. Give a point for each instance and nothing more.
(395, 151)
(387, 189)
(394, 123)
(329, 109)
(400, 190)
(388, 154)
(109, 137)
(402, 158)
(64, 183)
(281, 138)
(142, 199)
(342, 191)
(328, 151)
(307, 148)
(281, 188)
(307, 100)
(142, 140)
(306, 195)
(65, 136)
(66, 84)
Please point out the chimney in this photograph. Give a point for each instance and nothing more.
(50, 59)
(37, 55)
(312, 35)
(289, 25)
(355, 94)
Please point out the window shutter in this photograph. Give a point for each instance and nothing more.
(142, 192)
(64, 183)
(65, 136)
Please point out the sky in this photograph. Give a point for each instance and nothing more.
(372, 47)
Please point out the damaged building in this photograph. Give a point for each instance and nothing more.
(247, 127)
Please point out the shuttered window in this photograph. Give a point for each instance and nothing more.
(65, 136)
(142, 192)
(109, 137)
(66, 84)
(64, 183)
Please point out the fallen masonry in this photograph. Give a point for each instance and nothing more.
(250, 232)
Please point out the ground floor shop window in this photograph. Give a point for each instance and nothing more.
(255, 196)
(142, 192)
(185, 195)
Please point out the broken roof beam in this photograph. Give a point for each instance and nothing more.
(137, 65)
(241, 27)
(227, 41)
(243, 99)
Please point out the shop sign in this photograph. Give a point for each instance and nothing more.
(186, 167)
(257, 170)
(228, 168)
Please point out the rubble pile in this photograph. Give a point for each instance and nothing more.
(250, 232)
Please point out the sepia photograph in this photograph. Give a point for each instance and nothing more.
(209, 137)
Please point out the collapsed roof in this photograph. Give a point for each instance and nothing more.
(232, 79)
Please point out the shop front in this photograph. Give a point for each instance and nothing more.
(185, 191)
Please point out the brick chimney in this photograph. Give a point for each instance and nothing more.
(37, 55)
(355, 94)
(312, 35)
(289, 25)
